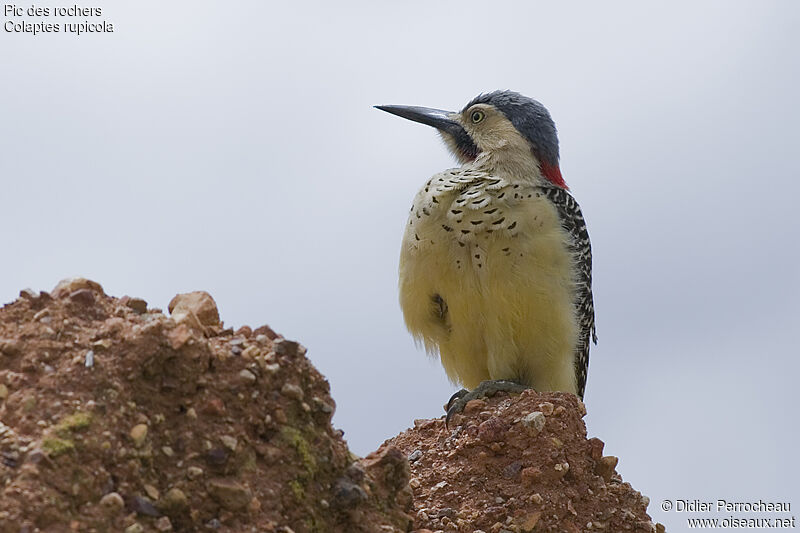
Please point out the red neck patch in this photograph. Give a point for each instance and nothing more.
(553, 175)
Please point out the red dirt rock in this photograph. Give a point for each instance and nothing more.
(116, 418)
(517, 464)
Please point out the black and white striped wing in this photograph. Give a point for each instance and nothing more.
(572, 221)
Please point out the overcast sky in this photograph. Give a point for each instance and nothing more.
(233, 147)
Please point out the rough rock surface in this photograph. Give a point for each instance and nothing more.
(518, 464)
(114, 417)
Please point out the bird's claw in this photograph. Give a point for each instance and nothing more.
(485, 389)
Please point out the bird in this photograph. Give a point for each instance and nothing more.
(495, 273)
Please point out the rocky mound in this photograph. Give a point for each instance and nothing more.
(515, 465)
(114, 417)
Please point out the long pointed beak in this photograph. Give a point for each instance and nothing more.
(437, 118)
(463, 146)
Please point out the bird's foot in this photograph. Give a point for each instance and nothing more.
(485, 389)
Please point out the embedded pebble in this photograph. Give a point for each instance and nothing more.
(163, 524)
(139, 434)
(229, 494)
(534, 422)
(138, 305)
(292, 391)
(174, 500)
(112, 501)
(247, 376)
(286, 347)
(229, 442)
(546, 408)
(144, 506)
(151, 492)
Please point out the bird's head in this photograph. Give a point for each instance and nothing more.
(514, 132)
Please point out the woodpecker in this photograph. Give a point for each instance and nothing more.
(496, 263)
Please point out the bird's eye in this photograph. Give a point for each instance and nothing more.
(477, 116)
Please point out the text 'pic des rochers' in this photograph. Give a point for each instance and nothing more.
(62, 20)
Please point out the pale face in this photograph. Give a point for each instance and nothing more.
(495, 136)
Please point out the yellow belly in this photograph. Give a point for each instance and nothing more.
(494, 302)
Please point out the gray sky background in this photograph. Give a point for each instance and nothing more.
(232, 147)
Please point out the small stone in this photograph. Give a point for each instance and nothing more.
(82, 297)
(416, 454)
(229, 442)
(546, 408)
(531, 475)
(88, 359)
(229, 494)
(247, 376)
(491, 430)
(217, 456)
(70, 285)
(251, 352)
(254, 506)
(606, 466)
(286, 347)
(138, 305)
(596, 448)
(347, 494)
(272, 368)
(191, 413)
(174, 500)
(3, 392)
(474, 406)
(512, 470)
(528, 523)
(560, 410)
(151, 492)
(134, 528)
(199, 305)
(28, 294)
(194, 472)
(534, 422)
(265, 331)
(292, 391)
(102, 344)
(163, 524)
(10, 346)
(166, 450)
(179, 336)
(144, 506)
(244, 331)
(112, 501)
(139, 434)
(214, 406)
